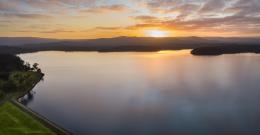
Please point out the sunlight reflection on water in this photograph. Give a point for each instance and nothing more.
(166, 92)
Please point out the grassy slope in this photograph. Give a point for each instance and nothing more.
(16, 79)
(15, 122)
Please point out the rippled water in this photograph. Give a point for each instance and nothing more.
(165, 92)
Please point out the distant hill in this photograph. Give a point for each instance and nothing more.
(16, 41)
(119, 44)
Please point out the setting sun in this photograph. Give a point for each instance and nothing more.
(156, 33)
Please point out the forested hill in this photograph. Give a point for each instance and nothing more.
(125, 44)
(17, 41)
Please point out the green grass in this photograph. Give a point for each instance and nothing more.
(15, 122)
(16, 79)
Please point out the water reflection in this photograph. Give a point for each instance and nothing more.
(27, 98)
(149, 93)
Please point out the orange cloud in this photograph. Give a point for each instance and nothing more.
(92, 18)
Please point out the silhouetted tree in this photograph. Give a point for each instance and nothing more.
(35, 66)
(10, 63)
(9, 86)
(27, 66)
(39, 70)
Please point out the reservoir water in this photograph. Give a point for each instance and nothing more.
(151, 93)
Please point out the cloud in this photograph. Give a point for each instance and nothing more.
(59, 3)
(246, 7)
(185, 10)
(177, 15)
(55, 31)
(208, 23)
(162, 3)
(161, 6)
(203, 15)
(46, 6)
(146, 18)
(10, 5)
(143, 25)
(233, 23)
(3, 25)
(25, 16)
(107, 28)
(105, 9)
(212, 6)
(5, 21)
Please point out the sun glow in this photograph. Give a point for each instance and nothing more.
(156, 33)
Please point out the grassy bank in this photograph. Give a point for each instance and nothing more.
(16, 79)
(13, 121)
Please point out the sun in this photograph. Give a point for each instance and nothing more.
(156, 33)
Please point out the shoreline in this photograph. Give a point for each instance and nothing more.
(22, 94)
(43, 120)
(200, 51)
(13, 99)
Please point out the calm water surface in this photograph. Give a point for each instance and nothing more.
(159, 93)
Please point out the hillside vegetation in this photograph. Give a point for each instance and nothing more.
(16, 76)
(16, 79)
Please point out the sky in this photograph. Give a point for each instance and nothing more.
(78, 19)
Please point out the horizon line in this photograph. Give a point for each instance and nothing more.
(130, 37)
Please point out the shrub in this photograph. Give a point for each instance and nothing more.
(1, 94)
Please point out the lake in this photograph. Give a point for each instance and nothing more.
(151, 93)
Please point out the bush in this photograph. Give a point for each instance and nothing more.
(1, 84)
(24, 80)
(4, 75)
(1, 94)
(8, 86)
(10, 63)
